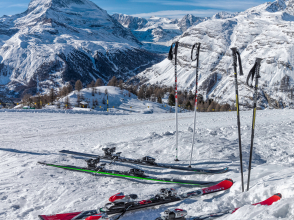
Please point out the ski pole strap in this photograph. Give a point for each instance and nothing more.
(197, 51)
(255, 70)
(240, 64)
(170, 53)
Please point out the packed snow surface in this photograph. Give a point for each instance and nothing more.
(28, 189)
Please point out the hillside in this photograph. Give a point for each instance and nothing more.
(265, 31)
(59, 41)
(120, 101)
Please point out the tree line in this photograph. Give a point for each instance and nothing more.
(154, 93)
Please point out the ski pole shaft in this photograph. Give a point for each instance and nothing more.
(235, 52)
(257, 75)
(196, 91)
(176, 99)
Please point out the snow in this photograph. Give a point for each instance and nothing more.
(120, 101)
(264, 31)
(28, 189)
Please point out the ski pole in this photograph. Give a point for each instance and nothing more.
(235, 54)
(195, 104)
(254, 71)
(170, 57)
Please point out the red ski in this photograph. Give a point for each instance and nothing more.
(121, 203)
(175, 212)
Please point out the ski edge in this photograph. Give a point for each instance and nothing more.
(166, 166)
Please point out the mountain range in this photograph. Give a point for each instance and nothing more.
(55, 42)
(265, 31)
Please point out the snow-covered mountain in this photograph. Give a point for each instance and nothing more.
(57, 41)
(157, 33)
(265, 31)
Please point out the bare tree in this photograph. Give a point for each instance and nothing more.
(99, 82)
(112, 82)
(52, 95)
(64, 91)
(120, 84)
(69, 88)
(79, 85)
(67, 102)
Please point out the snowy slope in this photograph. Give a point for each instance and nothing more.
(28, 189)
(58, 41)
(120, 101)
(265, 31)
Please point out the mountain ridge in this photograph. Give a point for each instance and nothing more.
(264, 31)
(55, 42)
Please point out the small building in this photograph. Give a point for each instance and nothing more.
(84, 104)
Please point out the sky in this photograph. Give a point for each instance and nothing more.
(148, 8)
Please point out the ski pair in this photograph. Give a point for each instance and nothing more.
(180, 214)
(132, 174)
(174, 51)
(253, 72)
(109, 154)
(120, 203)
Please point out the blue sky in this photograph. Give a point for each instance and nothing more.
(147, 8)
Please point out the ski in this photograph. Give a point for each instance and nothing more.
(120, 203)
(132, 174)
(180, 214)
(147, 161)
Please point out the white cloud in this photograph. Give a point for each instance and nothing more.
(213, 4)
(18, 5)
(178, 13)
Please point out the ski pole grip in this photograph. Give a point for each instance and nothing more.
(258, 63)
(176, 47)
(234, 51)
(197, 51)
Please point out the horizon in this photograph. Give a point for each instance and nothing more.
(148, 8)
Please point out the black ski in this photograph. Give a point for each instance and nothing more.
(132, 174)
(121, 203)
(147, 161)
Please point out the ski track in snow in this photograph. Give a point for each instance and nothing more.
(28, 189)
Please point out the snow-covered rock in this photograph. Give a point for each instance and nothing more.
(59, 41)
(265, 31)
(157, 33)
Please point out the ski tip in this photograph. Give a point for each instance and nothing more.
(226, 184)
(279, 195)
(229, 180)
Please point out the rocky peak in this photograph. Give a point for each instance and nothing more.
(278, 5)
